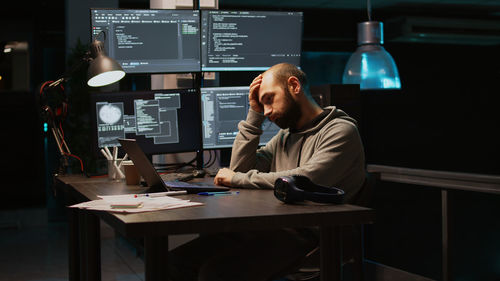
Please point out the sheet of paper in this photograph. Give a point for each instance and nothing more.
(148, 204)
(112, 198)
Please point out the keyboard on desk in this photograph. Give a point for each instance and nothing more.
(181, 184)
(195, 187)
(177, 176)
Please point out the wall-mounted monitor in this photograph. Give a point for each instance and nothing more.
(149, 40)
(222, 109)
(249, 40)
(162, 121)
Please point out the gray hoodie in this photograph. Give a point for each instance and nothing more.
(330, 153)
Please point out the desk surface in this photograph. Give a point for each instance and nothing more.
(250, 209)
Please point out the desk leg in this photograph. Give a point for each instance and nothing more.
(73, 245)
(330, 253)
(446, 250)
(90, 247)
(358, 250)
(155, 258)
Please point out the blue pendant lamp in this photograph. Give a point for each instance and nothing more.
(371, 66)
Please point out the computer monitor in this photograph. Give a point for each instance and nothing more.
(222, 109)
(249, 40)
(162, 121)
(150, 41)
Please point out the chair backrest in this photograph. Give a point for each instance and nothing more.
(365, 195)
(344, 96)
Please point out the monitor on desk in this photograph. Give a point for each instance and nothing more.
(150, 40)
(162, 121)
(222, 109)
(249, 40)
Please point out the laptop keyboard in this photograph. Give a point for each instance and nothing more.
(179, 184)
(170, 177)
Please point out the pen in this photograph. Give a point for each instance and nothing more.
(108, 152)
(105, 154)
(115, 152)
(216, 193)
(120, 173)
(126, 206)
(159, 194)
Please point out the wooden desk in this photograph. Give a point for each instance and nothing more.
(250, 210)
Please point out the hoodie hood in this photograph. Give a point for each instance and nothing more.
(333, 113)
(290, 138)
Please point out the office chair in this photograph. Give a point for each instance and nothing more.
(352, 246)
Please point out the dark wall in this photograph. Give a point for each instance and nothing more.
(41, 25)
(22, 151)
(445, 116)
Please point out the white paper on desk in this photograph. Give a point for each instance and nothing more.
(126, 197)
(154, 194)
(149, 204)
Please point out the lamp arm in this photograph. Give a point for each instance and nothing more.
(67, 75)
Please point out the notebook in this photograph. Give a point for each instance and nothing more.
(154, 180)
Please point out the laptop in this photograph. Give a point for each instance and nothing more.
(154, 180)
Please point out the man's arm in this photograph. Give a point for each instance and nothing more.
(244, 154)
(336, 156)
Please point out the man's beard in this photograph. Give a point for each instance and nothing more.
(291, 114)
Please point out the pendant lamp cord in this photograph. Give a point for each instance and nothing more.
(369, 9)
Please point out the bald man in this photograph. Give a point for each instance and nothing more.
(321, 144)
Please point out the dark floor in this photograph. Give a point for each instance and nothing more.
(34, 249)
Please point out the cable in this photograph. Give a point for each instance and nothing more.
(215, 159)
(78, 158)
(212, 160)
(369, 9)
(67, 152)
(209, 159)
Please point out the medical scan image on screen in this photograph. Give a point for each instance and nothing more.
(150, 41)
(222, 109)
(162, 121)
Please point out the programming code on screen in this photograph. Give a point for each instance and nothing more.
(249, 40)
(150, 41)
(161, 121)
(222, 109)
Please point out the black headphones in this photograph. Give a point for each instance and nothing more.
(299, 188)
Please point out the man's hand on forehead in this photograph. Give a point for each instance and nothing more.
(253, 96)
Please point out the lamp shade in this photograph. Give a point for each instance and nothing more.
(371, 66)
(102, 70)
